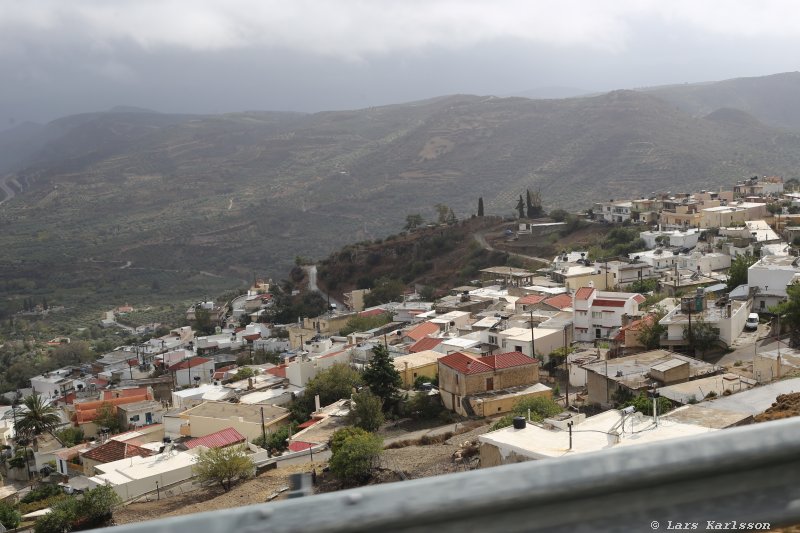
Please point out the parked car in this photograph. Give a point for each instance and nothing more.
(752, 322)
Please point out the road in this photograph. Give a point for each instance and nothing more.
(480, 237)
(312, 286)
(8, 191)
(750, 342)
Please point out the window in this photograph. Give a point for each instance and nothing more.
(762, 304)
(598, 334)
(597, 314)
(492, 339)
(135, 418)
(517, 348)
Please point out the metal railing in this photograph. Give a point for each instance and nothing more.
(747, 474)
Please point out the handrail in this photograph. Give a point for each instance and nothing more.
(746, 474)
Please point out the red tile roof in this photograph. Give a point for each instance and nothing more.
(220, 439)
(279, 371)
(253, 337)
(300, 446)
(308, 423)
(562, 301)
(189, 363)
(531, 299)
(508, 360)
(639, 298)
(608, 303)
(465, 364)
(583, 293)
(114, 450)
(124, 393)
(422, 331)
(372, 312)
(428, 343)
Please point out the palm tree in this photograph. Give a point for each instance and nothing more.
(39, 418)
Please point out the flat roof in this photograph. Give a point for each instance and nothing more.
(418, 359)
(600, 432)
(133, 468)
(698, 389)
(632, 368)
(756, 400)
(225, 410)
(710, 418)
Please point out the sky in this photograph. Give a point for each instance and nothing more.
(62, 57)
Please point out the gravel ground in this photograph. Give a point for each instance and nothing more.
(430, 460)
(209, 499)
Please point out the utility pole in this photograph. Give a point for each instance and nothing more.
(263, 428)
(533, 347)
(566, 367)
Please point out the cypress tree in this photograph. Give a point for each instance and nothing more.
(480, 206)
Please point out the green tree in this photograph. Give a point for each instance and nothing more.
(521, 207)
(107, 418)
(480, 206)
(355, 457)
(70, 436)
(413, 221)
(789, 312)
(331, 384)
(644, 405)
(559, 215)
(423, 406)
(364, 323)
(223, 466)
(366, 411)
(381, 376)
(202, 321)
(96, 506)
(60, 518)
(442, 212)
(737, 274)
(9, 517)
(39, 418)
(277, 441)
(702, 336)
(245, 372)
(650, 331)
(385, 290)
(341, 435)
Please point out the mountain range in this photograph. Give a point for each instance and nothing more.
(240, 193)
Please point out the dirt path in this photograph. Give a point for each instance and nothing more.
(480, 237)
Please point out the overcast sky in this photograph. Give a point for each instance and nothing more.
(60, 57)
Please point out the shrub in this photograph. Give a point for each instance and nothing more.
(223, 466)
(355, 457)
(43, 491)
(9, 517)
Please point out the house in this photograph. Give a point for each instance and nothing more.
(575, 276)
(769, 276)
(110, 451)
(732, 213)
(728, 319)
(86, 413)
(142, 413)
(572, 434)
(670, 238)
(192, 371)
(135, 476)
(304, 368)
(755, 186)
(463, 377)
(613, 212)
(545, 340)
(420, 364)
(622, 274)
(428, 343)
(220, 439)
(609, 380)
(55, 383)
(249, 420)
(324, 325)
(184, 399)
(508, 276)
(354, 300)
(419, 332)
(598, 313)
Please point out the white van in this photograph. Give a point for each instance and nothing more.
(752, 322)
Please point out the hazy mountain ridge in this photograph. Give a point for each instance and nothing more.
(246, 192)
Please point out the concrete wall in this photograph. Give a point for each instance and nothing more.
(503, 404)
(410, 373)
(491, 456)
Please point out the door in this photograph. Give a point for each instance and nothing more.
(598, 334)
(489, 383)
(148, 418)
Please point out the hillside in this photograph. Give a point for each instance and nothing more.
(774, 100)
(225, 197)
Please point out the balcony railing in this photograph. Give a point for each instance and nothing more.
(747, 474)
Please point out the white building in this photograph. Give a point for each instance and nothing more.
(729, 319)
(770, 275)
(53, 384)
(193, 371)
(675, 238)
(615, 212)
(659, 259)
(622, 274)
(598, 313)
(304, 368)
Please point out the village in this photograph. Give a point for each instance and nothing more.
(688, 336)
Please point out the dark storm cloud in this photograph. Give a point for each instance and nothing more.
(201, 56)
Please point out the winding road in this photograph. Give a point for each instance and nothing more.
(312, 286)
(480, 237)
(7, 191)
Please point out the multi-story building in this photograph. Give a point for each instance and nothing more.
(598, 313)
